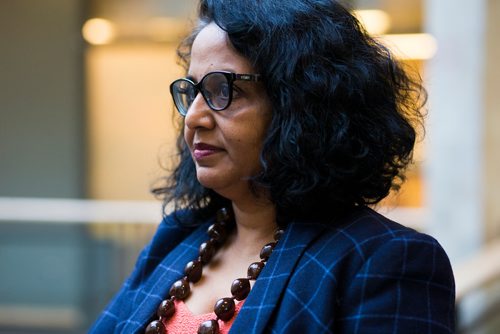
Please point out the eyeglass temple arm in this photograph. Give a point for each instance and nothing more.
(247, 77)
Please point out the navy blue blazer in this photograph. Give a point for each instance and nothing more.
(365, 275)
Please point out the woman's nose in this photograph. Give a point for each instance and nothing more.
(199, 114)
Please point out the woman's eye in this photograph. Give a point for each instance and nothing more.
(224, 91)
(236, 91)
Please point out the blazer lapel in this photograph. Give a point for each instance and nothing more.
(157, 286)
(269, 287)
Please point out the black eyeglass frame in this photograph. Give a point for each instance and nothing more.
(230, 77)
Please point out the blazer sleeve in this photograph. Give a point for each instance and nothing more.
(406, 286)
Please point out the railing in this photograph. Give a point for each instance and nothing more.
(51, 210)
(78, 210)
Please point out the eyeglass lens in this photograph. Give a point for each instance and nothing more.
(214, 87)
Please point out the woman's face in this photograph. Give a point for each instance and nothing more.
(225, 145)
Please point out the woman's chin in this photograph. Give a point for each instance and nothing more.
(211, 180)
(224, 186)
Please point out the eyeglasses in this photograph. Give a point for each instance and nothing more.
(215, 87)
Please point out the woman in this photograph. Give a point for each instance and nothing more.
(294, 121)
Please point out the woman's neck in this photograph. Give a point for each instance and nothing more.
(255, 225)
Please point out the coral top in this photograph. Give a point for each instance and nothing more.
(183, 321)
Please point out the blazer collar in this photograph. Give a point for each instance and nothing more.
(269, 287)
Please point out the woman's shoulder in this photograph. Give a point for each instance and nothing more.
(362, 269)
(365, 226)
(173, 229)
(364, 233)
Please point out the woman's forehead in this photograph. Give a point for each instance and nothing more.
(212, 51)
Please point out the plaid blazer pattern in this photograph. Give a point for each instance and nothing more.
(364, 275)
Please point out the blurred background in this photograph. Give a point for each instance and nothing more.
(87, 127)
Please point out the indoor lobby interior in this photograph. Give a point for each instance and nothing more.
(87, 128)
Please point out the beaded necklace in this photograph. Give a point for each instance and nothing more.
(224, 308)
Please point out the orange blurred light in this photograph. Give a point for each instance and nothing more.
(411, 46)
(98, 31)
(375, 21)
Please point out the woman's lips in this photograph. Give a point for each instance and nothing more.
(202, 150)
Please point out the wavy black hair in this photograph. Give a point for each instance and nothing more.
(345, 112)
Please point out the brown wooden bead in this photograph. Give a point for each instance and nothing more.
(240, 288)
(278, 233)
(254, 270)
(223, 216)
(180, 289)
(217, 232)
(224, 308)
(156, 327)
(266, 251)
(166, 309)
(194, 270)
(207, 251)
(209, 327)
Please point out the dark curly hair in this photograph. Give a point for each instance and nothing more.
(345, 111)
